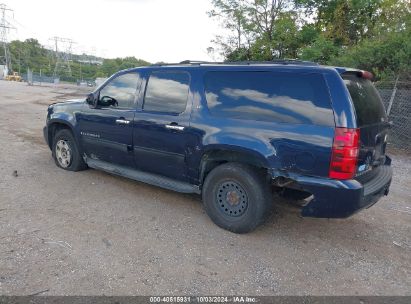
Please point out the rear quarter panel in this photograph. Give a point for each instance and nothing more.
(285, 147)
(344, 114)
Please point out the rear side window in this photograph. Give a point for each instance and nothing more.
(269, 96)
(167, 92)
(368, 105)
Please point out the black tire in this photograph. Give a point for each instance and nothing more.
(237, 197)
(76, 162)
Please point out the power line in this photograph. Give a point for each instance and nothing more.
(63, 51)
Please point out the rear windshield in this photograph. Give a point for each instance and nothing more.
(368, 106)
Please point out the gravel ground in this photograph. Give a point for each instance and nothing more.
(90, 233)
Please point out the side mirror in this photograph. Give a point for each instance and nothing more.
(91, 99)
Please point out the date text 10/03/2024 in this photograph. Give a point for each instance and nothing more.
(205, 299)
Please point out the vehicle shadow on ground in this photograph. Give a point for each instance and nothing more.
(358, 231)
(351, 233)
(285, 221)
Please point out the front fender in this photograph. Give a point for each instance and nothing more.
(63, 118)
(60, 120)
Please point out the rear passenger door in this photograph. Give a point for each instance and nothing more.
(160, 135)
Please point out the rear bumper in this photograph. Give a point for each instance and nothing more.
(340, 199)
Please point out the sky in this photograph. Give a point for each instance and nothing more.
(153, 30)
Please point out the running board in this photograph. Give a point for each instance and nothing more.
(148, 178)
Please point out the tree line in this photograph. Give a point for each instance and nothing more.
(30, 54)
(374, 35)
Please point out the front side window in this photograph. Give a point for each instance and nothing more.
(269, 96)
(119, 92)
(167, 92)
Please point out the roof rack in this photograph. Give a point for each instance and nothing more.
(192, 62)
(197, 62)
(275, 61)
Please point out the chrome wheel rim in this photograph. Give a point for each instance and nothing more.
(231, 199)
(63, 153)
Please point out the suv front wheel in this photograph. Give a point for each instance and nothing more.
(66, 153)
(237, 197)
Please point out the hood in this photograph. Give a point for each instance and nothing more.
(69, 102)
(66, 106)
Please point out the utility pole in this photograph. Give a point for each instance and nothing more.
(81, 76)
(5, 27)
(62, 51)
(19, 63)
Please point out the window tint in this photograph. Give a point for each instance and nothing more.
(120, 92)
(368, 106)
(167, 92)
(269, 96)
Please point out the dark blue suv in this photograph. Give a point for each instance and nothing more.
(236, 133)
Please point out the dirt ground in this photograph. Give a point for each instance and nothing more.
(90, 233)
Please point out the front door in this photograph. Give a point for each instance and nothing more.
(161, 128)
(106, 131)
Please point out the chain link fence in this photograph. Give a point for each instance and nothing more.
(33, 78)
(396, 95)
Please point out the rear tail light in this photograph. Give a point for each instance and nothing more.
(344, 153)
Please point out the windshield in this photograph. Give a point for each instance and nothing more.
(367, 102)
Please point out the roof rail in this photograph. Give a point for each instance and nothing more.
(196, 62)
(275, 61)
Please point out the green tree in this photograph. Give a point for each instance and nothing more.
(252, 28)
(30, 54)
(368, 34)
(322, 50)
(378, 39)
(386, 56)
(110, 66)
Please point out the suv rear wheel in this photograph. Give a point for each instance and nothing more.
(237, 197)
(66, 153)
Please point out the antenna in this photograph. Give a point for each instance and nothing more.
(4, 29)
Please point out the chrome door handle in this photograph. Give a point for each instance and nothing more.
(175, 127)
(122, 121)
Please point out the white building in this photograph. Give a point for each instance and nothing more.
(3, 71)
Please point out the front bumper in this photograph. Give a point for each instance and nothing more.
(341, 199)
(46, 135)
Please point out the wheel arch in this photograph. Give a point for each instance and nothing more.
(54, 126)
(217, 155)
